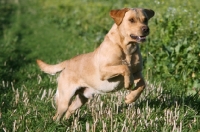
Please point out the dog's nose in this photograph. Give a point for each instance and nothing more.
(145, 29)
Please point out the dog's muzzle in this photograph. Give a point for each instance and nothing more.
(144, 31)
(138, 38)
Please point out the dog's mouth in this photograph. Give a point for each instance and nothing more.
(138, 38)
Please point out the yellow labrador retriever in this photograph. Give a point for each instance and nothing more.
(115, 64)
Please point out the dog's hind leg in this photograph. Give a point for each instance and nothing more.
(77, 103)
(82, 96)
(63, 98)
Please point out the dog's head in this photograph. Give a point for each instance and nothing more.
(132, 23)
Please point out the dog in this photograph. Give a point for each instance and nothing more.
(115, 64)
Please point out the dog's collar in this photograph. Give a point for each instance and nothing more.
(131, 51)
(134, 47)
(131, 48)
(124, 62)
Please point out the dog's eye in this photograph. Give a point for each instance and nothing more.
(145, 20)
(131, 20)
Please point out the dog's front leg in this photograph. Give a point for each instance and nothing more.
(108, 72)
(139, 87)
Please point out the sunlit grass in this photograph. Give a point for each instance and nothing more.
(156, 110)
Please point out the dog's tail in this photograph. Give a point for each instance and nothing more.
(51, 69)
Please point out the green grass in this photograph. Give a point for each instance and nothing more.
(54, 30)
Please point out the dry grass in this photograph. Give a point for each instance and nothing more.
(154, 111)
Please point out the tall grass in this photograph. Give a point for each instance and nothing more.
(58, 30)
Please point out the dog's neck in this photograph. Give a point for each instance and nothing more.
(129, 51)
(131, 48)
(128, 47)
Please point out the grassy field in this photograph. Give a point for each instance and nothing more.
(55, 30)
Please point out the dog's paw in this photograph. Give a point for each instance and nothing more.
(55, 118)
(67, 115)
(128, 101)
(126, 85)
(128, 82)
(132, 97)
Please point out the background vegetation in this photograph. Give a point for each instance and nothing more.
(55, 30)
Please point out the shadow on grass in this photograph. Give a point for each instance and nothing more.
(12, 61)
(168, 99)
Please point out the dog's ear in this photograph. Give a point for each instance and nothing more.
(150, 13)
(118, 15)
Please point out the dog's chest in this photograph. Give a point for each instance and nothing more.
(111, 85)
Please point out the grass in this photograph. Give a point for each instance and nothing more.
(57, 30)
(156, 110)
